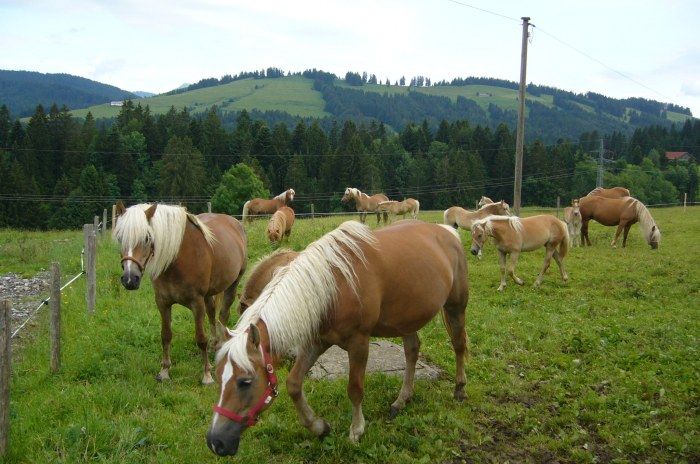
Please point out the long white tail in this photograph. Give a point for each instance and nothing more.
(415, 211)
(246, 205)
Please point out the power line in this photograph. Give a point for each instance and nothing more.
(483, 10)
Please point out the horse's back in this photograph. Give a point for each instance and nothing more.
(607, 211)
(540, 229)
(262, 275)
(229, 249)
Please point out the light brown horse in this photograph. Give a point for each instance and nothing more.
(620, 212)
(280, 225)
(514, 235)
(195, 261)
(460, 217)
(261, 275)
(572, 217)
(484, 201)
(365, 203)
(348, 286)
(613, 192)
(258, 206)
(394, 208)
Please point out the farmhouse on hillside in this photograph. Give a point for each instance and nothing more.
(678, 156)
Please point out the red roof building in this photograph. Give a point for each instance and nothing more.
(678, 156)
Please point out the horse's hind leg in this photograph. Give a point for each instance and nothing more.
(547, 260)
(617, 234)
(411, 345)
(502, 265)
(229, 296)
(514, 255)
(454, 320)
(358, 350)
(305, 359)
(584, 234)
(166, 335)
(560, 263)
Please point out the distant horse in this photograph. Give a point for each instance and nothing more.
(572, 217)
(262, 274)
(258, 206)
(620, 212)
(614, 192)
(514, 235)
(195, 261)
(460, 217)
(484, 201)
(365, 203)
(351, 284)
(280, 225)
(395, 208)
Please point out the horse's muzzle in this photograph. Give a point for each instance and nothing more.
(222, 444)
(131, 282)
(474, 251)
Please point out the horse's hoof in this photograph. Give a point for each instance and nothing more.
(393, 412)
(500, 289)
(161, 377)
(321, 428)
(207, 381)
(460, 395)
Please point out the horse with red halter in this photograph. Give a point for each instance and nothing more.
(351, 284)
(456, 216)
(195, 261)
(365, 203)
(261, 275)
(621, 212)
(258, 206)
(613, 192)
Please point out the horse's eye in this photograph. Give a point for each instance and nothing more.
(244, 383)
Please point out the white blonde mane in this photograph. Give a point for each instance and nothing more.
(355, 192)
(488, 221)
(166, 229)
(646, 222)
(283, 196)
(295, 303)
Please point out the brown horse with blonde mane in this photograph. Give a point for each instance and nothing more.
(258, 206)
(394, 208)
(346, 287)
(195, 261)
(613, 192)
(456, 216)
(572, 217)
(280, 225)
(620, 212)
(514, 235)
(365, 203)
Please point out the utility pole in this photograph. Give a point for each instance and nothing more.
(601, 152)
(521, 121)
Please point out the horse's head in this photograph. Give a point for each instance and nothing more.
(274, 231)
(478, 238)
(246, 391)
(289, 197)
(502, 208)
(133, 232)
(349, 195)
(575, 210)
(654, 237)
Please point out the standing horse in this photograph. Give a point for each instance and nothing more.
(460, 217)
(347, 286)
(395, 208)
(280, 225)
(195, 261)
(614, 192)
(365, 203)
(572, 217)
(262, 274)
(514, 235)
(484, 201)
(258, 206)
(620, 212)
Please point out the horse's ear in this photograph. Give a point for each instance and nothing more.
(151, 211)
(222, 332)
(254, 335)
(120, 208)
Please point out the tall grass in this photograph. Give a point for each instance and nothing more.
(604, 368)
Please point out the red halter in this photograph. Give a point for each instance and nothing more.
(251, 417)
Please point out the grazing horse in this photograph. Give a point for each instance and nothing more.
(514, 235)
(614, 192)
(395, 208)
(620, 212)
(484, 201)
(460, 217)
(351, 284)
(258, 206)
(195, 261)
(280, 225)
(572, 217)
(365, 203)
(262, 274)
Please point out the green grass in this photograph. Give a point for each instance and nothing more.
(602, 369)
(677, 117)
(294, 95)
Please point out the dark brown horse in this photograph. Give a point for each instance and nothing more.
(195, 261)
(348, 286)
(613, 192)
(258, 206)
(621, 212)
(365, 203)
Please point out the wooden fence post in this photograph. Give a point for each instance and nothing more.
(685, 200)
(558, 205)
(5, 370)
(209, 206)
(104, 222)
(90, 264)
(96, 224)
(312, 211)
(114, 216)
(55, 325)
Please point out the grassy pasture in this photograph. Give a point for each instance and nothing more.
(602, 369)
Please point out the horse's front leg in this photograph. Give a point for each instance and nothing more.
(411, 345)
(625, 233)
(199, 309)
(502, 265)
(514, 255)
(584, 234)
(617, 234)
(166, 335)
(358, 350)
(305, 359)
(547, 259)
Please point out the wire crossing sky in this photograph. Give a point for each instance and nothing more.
(621, 49)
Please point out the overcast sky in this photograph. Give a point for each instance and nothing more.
(158, 45)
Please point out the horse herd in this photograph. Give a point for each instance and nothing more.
(351, 284)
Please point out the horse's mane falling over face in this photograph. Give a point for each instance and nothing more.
(295, 302)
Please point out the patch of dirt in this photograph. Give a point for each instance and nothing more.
(24, 294)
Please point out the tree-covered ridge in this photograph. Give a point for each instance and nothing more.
(59, 171)
(22, 91)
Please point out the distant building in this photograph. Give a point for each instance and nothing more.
(116, 103)
(678, 156)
